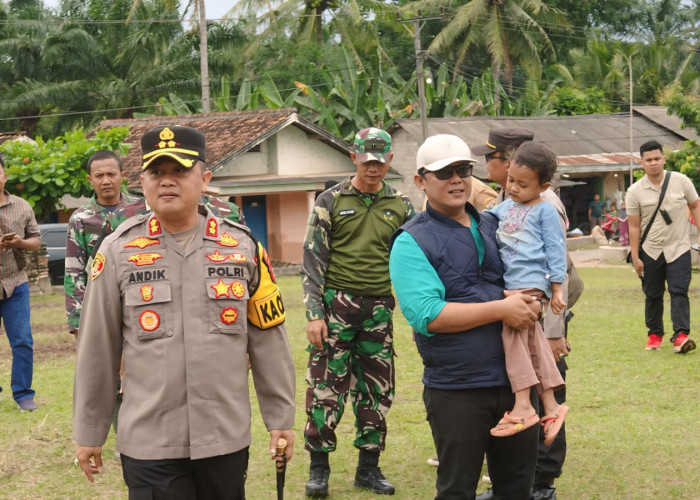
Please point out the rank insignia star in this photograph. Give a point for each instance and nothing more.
(212, 227)
(221, 289)
(154, 227)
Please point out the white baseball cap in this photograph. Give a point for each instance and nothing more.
(439, 151)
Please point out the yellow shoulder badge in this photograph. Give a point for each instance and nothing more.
(98, 265)
(265, 307)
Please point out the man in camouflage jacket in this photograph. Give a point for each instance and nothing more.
(86, 226)
(349, 305)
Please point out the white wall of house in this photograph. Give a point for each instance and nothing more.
(289, 152)
(302, 154)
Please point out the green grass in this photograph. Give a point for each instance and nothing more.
(631, 430)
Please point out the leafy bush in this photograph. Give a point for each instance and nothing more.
(43, 172)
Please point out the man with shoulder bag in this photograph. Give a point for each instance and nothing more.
(657, 208)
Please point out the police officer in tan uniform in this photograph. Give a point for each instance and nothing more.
(184, 296)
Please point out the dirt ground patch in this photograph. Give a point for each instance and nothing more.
(50, 342)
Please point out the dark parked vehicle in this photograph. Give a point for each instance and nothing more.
(54, 237)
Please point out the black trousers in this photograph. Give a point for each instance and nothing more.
(214, 478)
(658, 273)
(550, 459)
(461, 421)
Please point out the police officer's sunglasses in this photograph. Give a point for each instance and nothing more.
(463, 170)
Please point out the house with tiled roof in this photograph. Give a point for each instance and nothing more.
(270, 162)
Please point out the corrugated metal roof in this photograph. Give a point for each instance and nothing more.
(566, 135)
(612, 162)
(660, 115)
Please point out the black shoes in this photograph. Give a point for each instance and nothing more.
(317, 486)
(539, 492)
(543, 492)
(486, 495)
(371, 478)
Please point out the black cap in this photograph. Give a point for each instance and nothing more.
(501, 138)
(185, 145)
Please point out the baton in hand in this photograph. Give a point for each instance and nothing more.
(281, 466)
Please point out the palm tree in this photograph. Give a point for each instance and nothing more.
(511, 31)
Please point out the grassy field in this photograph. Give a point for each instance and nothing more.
(631, 431)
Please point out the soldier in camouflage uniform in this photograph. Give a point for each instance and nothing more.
(86, 225)
(347, 293)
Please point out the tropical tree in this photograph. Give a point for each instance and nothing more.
(510, 31)
(23, 37)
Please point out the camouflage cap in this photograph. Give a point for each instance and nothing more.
(185, 145)
(372, 144)
(501, 138)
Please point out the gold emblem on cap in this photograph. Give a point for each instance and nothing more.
(166, 138)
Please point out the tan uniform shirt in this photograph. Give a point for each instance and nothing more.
(180, 319)
(670, 239)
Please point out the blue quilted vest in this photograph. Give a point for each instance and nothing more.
(472, 358)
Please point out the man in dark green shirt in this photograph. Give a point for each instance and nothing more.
(595, 211)
(349, 305)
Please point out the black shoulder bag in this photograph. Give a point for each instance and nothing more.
(667, 177)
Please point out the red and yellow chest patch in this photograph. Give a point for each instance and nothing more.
(229, 315)
(141, 242)
(146, 293)
(227, 240)
(216, 257)
(144, 259)
(154, 227)
(98, 265)
(237, 289)
(149, 320)
(237, 257)
(221, 288)
(212, 227)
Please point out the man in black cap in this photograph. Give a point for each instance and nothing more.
(184, 296)
(498, 149)
(501, 144)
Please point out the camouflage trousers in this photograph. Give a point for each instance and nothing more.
(357, 359)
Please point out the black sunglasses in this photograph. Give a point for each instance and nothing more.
(463, 170)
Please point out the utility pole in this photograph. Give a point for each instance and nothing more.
(631, 128)
(203, 56)
(420, 76)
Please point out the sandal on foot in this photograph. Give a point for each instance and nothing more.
(551, 424)
(510, 424)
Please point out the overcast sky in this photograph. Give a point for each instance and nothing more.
(215, 9)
